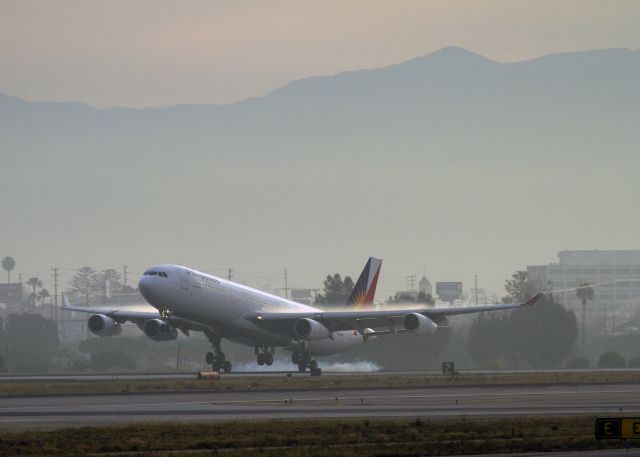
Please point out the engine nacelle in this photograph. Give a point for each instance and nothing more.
(420, 324)
(102, 325)
(308, 329)
(159, 330)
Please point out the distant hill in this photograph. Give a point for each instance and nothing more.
(325, 145)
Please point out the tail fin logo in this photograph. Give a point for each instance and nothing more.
(363, 292)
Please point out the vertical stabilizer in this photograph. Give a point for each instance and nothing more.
(361, 296)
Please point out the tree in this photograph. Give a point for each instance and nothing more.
(83, 283)
(542, 335)
(539, 336)
(87, 283)
(519, 288)
(427, 299)
(634, 362)
(8, 263)
(33, 283)
(43, 295)
(32, 342)
(407, 297)
(336, 290)
(584, 294)
(486, 342)
(577, 362)
(111, 275)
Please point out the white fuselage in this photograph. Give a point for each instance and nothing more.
(221, 305)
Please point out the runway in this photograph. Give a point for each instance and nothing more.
(277, 373)
(441, 401)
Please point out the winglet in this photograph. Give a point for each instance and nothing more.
(533, 300)
(65, 301)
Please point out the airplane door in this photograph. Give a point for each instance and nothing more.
(185, 281)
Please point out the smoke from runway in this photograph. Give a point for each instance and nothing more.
(286, 365)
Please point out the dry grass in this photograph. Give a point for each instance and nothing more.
(233, 383)
(314, 437)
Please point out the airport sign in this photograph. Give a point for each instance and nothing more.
(618, 428)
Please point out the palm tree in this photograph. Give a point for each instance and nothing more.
(8, 263)
(584, 293)
(34, 282)
(43, 295)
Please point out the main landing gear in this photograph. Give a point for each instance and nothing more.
(264, 354)
(217, 359)
(303, 360)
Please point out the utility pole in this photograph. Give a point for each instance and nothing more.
(55, 292)
(124, 277)
(229, 273)
(286, 285)
(411, 282)
(476, 289)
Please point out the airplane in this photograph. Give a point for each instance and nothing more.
(189, 300)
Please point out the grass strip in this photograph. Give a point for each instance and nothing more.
(349, 437)
(301, 381)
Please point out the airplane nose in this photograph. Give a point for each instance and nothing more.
(144, 287)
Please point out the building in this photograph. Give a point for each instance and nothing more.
(613, 275)
(11, 296)
(449, 291)
(303, 296)
(424, 286)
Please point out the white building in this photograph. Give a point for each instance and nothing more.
(613, 275)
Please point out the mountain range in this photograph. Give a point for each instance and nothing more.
(454, 142)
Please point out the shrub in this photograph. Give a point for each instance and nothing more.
(611, 359)
(577, 362)
(634, 362)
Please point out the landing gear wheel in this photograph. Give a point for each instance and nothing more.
(261, 359)
(215, 366)
(268, 358)
(220, 356)
(302, 366)
(209, 358)
(295, 358)
(313, 365)
(226, 366)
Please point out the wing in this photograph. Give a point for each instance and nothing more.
(138, 317)
(385, 319)
(117, 315)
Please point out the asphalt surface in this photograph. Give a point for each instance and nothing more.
(276, 373)
(440, 401)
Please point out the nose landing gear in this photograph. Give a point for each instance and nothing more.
(217, 359)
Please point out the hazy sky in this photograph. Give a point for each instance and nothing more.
(160, 52)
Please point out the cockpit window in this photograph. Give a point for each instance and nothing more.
(162, 274)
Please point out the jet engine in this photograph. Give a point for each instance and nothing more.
(420, 324)
(159, 330)
(102, 325)
(308, 329)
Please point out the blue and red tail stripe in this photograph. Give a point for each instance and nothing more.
(363, 292)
